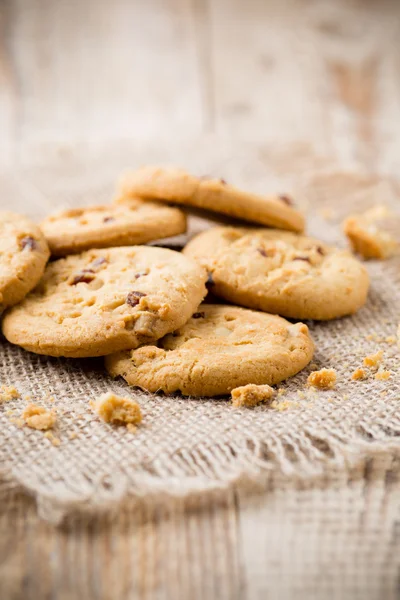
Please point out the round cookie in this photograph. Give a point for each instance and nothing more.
(102, 301)
(178, 186)
(72, 231)
(23, 257)
(280, 272)
(220, 348)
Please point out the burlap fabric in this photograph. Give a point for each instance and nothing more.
(189, 446)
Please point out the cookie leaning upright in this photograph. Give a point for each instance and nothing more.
(78, 229)
(281, 272)
(102, 301)
(219, 348)
(23, 257)
(178, 186)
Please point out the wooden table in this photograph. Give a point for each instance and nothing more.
(322, 77)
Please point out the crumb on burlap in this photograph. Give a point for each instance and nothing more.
(117, 410)
(251, 395)
(282, 405)
(313, 366)
(383, 393)
(52, 438)
(72, 435)
(359, 374)
(324, 379)
(390, 339)
(131, 428)
(345, 396)
(17, 421)
(373, 360)
(38, 417)
(366, 238)
(281, 391)
(8, 392)
(382, 375)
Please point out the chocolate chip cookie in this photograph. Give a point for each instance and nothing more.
(280, 272)
(220, 348)
(23, 257)
(102, 301)
(72, 231)
(178, 186)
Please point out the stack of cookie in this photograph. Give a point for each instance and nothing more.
(142, 307)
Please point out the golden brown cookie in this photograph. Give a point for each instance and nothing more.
(102, 301)
(220, 348)
(23, 257)
(74, 230)
(178, 186)
(280, 272)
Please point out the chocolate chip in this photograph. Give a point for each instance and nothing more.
(320, 250)
(199, 315)
(210, 178)
(83, 277)
(133, 298)
(140, 274)
(223, 182)
(302, 258)
(28, 243)
(98, 262)
(262, 252)
(210, 281)
(108, 219)
(286, 199)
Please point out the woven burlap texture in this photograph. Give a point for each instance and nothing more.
(188, 446)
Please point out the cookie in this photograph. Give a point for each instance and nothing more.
(366, 238)
(177, 186)
(75, 230)
(280, 272)
(102, 301)
(220, 348)
(23, 257)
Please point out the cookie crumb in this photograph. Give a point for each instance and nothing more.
(117, 410)
(52, 438)
(251, 395)
(283, 405)
(324, 379)
(313, 366)
(38, 417)
(131, 428)
(8, 392)
(281, 391)
(366, 238)
(373, 360)
(390, 339)
(18, 422)
(72, 435)
(359, 374)
(382, 375)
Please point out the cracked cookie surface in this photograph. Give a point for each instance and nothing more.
(220, 348)
(102, 301)
(178, 186)
(23, 257)
(75, 230)
(280, 272)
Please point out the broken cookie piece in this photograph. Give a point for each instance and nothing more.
(251, 395)
(366, 238)
(117, 410)
(38, 417)
(373, 360)
(324, 379)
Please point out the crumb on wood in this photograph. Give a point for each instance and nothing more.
(359, 374)
(373, 360)
(52, 438)
(382, 375)
(117, 410)
(366, 238)
(38, 417)
(324, 379)
(251, 395)
(8, 392)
